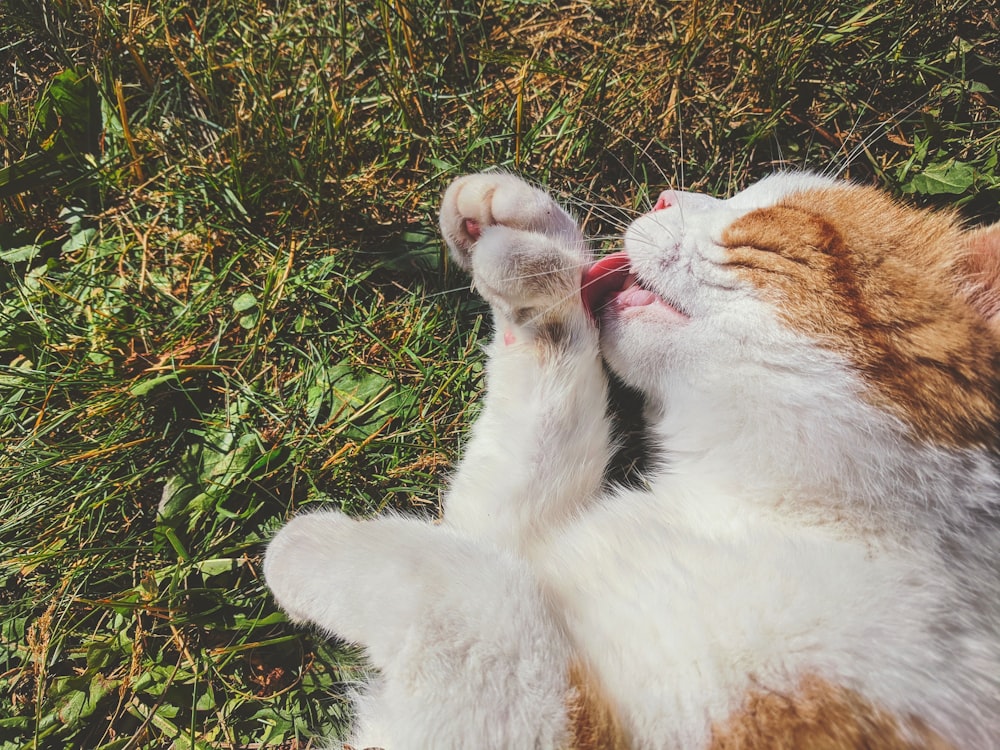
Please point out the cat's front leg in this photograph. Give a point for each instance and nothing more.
(539, 449)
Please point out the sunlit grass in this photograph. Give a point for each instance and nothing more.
(223, 298)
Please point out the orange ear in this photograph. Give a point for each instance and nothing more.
(981, 269)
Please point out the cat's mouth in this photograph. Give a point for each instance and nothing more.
(610, 284)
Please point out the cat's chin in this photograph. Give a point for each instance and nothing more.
(637, 329)
(624, 342)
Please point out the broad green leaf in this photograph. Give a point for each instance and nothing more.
(243, 622)
(217, 566)
(73, 215)
(276, 726)
(20, 254)
(79, 239)
(143, 387)
(950, 177)
(206, 699)
(244, 302)
(185, 743)
(273, 459)
(208, 470)
(249, 321)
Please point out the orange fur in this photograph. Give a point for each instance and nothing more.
(878, 282)
(593, 724)
(981, 266)
(819, 716)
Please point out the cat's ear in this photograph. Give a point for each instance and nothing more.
(981, 271)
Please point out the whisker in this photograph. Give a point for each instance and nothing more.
(850, 134)
(809, 147)
(601, 238)
(647, 240)
(616, 215)
(644, 150)
(680, 161)
(540, 274)
(878, 131)
(537, 316)
(443, 292)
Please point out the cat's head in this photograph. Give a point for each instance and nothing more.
(802, 298)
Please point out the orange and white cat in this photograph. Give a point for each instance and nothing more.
(815, 563)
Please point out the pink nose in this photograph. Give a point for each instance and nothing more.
(667, 199)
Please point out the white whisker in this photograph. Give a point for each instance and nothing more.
(644, 150)
(540, 274)
(878, 131)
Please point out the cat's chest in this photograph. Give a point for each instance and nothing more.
(714, 601)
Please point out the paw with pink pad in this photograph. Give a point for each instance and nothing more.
(473, 229)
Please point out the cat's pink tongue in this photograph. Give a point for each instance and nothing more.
(607, 276)
(635, 296)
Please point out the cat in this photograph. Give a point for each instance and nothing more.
(814, 562)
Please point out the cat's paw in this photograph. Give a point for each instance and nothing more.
(526, 255)
(478, 201)
(304, 562)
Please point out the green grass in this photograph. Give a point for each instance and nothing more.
(223, 299)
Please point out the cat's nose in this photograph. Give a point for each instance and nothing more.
(667, 199)
(685, 201)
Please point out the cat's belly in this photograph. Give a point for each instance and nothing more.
(682, 620)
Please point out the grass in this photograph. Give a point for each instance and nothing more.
(223, 298)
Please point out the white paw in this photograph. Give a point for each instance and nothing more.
(477, 201)
(526, 255)
(302, 560)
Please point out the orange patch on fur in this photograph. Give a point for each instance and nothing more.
(819, 716)
(593, 724)
(882, 284)
(981, 266)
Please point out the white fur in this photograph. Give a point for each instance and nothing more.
(795, 530)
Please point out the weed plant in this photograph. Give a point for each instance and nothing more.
(223, 299)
